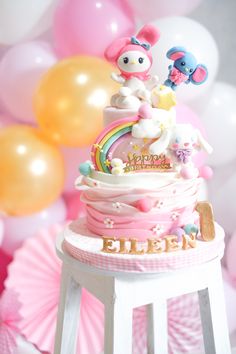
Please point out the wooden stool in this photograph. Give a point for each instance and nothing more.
(121, 292)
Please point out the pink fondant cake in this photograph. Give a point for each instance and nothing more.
(140, 206)
(141, 187)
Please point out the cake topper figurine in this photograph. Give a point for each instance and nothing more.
(133, 58)
(180, 142)
(185, 68)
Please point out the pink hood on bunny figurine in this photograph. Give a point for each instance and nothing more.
(132, 55)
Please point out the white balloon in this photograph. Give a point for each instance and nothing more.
(183, 31)
(19, 228)
(222, 196)
(24, 19)
(219, 118)
(21, 70)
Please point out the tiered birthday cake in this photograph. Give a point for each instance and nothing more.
(141, 186)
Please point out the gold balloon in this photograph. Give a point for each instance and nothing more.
(31, 171)
(70, 100)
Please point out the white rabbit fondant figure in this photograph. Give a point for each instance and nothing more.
(134, 60)
(180, 143)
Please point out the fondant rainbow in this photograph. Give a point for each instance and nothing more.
(108, 139)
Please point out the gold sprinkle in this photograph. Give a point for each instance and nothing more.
(136, 147)
(107, 163)
(97, 146)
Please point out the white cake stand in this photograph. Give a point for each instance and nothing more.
(122, 291)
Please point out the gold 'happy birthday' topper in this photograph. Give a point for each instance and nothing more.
(146, 162)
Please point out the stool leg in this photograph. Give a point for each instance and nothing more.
(157, 335)
(213, 316)
(118, 326)
(68, 314)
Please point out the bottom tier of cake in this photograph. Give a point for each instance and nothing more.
(87, 248)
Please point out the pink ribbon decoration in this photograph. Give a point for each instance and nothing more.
(183, 155)
(177, 77)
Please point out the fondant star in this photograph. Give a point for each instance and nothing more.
(162, 127)
(166, 100)
(136, 147)
(107, 163)
(97, 146)
(130, 154)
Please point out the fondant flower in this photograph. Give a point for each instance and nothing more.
(9, 321)
(159, 204)
(107, 162)
(108, 223)
(175, 215)
(90, 182)
(117, 206)
(157, 230)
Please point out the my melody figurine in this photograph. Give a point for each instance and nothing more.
(133, 58)
(185, 69)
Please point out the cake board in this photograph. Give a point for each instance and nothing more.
(80, 245)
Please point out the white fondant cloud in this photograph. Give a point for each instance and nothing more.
(146, 128)
(152, 128)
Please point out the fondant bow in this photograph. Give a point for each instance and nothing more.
(183, 155)
(177, 76)
(135, 40)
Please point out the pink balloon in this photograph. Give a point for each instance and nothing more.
(75, 208)
(153, 9)
(88, 27)
(230, 256)
(18, 229)
(1, 231)
(6, 120)
(5, 260)
(21, 69)
(73, 157)
(2, 50)
(184, 114)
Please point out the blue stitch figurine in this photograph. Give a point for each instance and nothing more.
(185, 68)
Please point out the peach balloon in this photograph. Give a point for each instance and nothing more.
(71, 97)
(32, 171)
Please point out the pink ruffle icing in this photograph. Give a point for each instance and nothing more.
(112, 211)
(139, 226)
